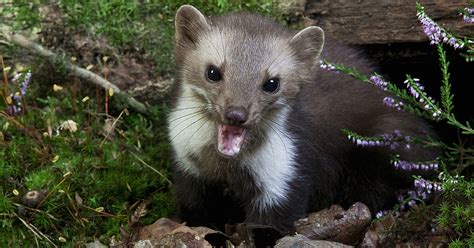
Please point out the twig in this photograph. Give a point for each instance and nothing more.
(82, 73)
(36, 232)
(36, 210)
(65, 177)
(112, 127)
(153, 169)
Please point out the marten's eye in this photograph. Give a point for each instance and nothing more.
(213, 74)
(271, 85)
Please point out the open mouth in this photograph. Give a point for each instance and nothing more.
(230, 139)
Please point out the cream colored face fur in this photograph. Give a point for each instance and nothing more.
(243, 75)
(246, 57)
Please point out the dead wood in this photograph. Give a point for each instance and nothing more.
(82, 73)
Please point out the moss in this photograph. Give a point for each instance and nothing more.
(147, 28)
(92, 180)
(40, 179)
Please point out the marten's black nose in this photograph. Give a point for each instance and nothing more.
(236, 115)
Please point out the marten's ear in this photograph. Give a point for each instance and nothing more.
(189, 24)
(308, 43)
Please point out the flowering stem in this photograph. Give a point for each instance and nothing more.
(409, 166)
(391, 140)
(436, 33)
(427, 103)
(402, 94)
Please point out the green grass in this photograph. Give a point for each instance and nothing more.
(93, 181)
(148, 28)
(82, 171)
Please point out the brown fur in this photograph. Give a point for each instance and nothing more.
(328, 168)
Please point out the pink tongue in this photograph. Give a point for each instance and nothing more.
(230, 139)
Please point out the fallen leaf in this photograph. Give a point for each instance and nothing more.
(9, 100)
(69, 125)
(57, 88)
(78, 198)
(50, 129)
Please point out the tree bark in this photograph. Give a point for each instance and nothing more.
(383, 21)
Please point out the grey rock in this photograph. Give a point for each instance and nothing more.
(335, 224)
(300, 241)
(95, 244)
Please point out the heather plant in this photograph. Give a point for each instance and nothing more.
(454, 167)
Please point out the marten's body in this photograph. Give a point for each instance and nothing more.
(256, 128)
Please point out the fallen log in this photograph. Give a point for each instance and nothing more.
(377, 22)
(82, 73)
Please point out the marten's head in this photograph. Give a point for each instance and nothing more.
(242, 70)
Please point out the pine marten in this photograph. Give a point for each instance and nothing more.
(256, 128)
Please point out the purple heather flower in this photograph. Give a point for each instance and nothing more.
(427, 104)
(327, 66)
(15, 108)
(15, 97)
(16, 77)
(381, 214)
(467, 15)
(409, 166)
(422, 185)
(421, 191)
(379, 82)
(25, 83)
(397, 133)
(468, 19)
(390, 102)
(435, 33)
(392, 140)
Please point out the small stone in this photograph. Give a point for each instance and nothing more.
(335, 224)
(143, 244)
(182, 236)
(300, 241)
(157, 230)
(377, 233)
(95, 244)
(33, 198)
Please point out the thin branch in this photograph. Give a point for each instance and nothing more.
(36, 232)
(82, 73)
(153, 169)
